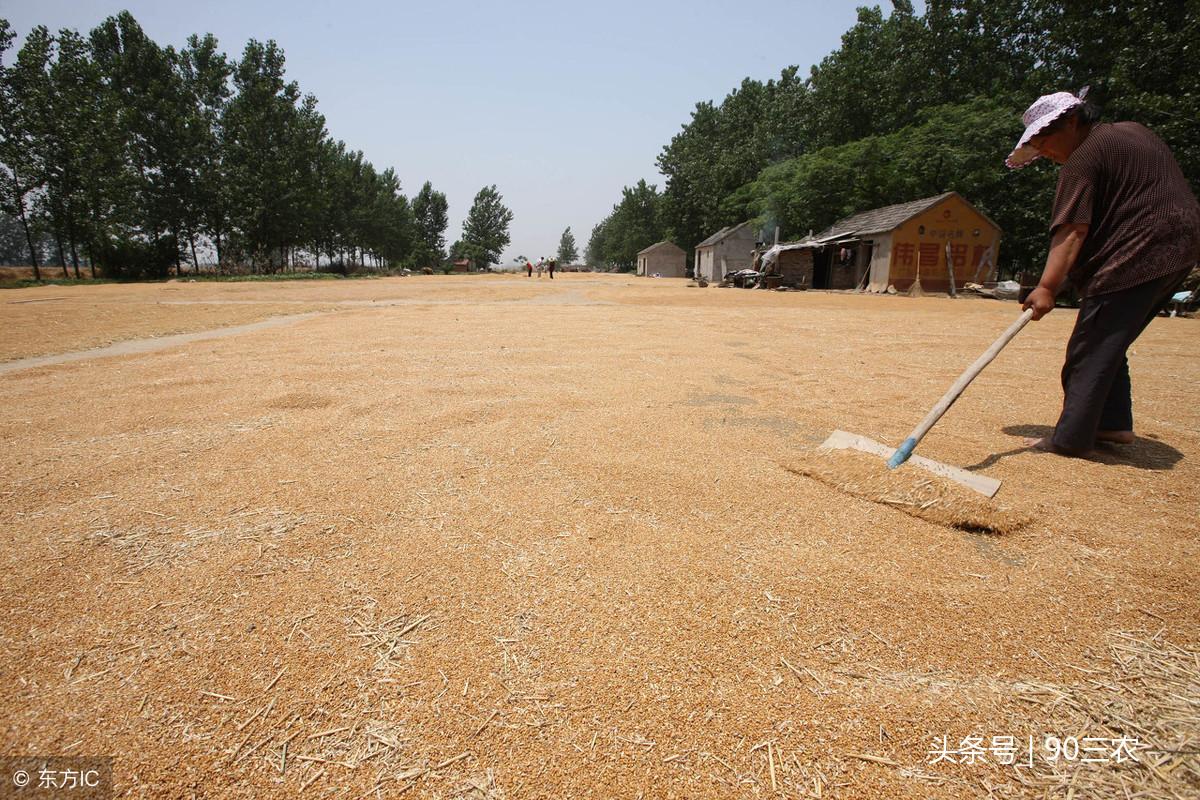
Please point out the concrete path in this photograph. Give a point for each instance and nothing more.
(150, 345)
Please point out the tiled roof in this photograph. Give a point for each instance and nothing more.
(879, 220)
(722, 234)
(660, 245)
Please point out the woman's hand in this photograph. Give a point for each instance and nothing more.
(1041, 300)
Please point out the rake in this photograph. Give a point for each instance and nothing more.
(841, 440)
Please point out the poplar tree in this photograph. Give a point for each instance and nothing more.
(485, 230)
(20, 166)
(568, 252)
(430, 212)
(204, 74)
(263, 134)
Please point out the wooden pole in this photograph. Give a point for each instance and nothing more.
(905, 449)
(950, 271)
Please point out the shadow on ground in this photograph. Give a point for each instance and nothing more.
(1146, 452)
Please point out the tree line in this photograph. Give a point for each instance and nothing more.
(910, 106)
(133, 158)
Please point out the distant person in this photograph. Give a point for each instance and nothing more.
(541, 266)
(1125, 230)
(528, 269)
(550, 265)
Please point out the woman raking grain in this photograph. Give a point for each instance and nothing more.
(1125, 231)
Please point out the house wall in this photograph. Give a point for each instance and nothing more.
(925, 237)
(730, 254)
(737, 250)
(796, 266)
(668, 263)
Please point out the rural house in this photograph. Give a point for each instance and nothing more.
(727, 250)
(893, 245)
(787, 264)
(665, 258)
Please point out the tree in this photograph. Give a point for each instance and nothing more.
(804, 152)
(135, 154)
(430, 214)
(13, 248)
(634, 224)
(593, 254)
(393, 229)
(22, 89)
(82, 148)
(152, 188)
(485, 230)
(639, 222)
(814, 190)
(723, 147)
(255, 123)
(567, 251)
(204, 74)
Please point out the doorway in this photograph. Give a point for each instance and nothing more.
(822, 268)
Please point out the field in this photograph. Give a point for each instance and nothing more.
(500, 537)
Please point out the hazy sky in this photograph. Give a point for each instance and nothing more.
(559, 104)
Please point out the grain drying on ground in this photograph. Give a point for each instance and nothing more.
(485, 537)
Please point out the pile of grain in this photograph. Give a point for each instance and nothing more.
(909, 490)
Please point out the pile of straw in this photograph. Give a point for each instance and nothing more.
(1150, 692)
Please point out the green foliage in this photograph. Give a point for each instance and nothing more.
(136, 260)
(634, 224)
(1141, 60)
(724, 147)
(150, 187)
(951, 148)
(24, 283)
(909, 106)
(118, 148)
(430, 213)
(272, 141)
(205, 74)
(13, 248)
(485, 230)
(23, 90)
(568, 251)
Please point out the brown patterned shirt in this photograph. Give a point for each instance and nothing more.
(1144, 221)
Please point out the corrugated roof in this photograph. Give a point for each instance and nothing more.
(879, 220)
(722, 234)
(657, 245)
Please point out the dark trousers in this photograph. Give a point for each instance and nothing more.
(1097, 395)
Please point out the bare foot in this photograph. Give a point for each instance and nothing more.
(1116, 437)
(1045, 445)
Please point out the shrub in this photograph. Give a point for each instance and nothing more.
(136, 260)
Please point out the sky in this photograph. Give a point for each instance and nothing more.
(559, 104)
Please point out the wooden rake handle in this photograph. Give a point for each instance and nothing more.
(906, 448)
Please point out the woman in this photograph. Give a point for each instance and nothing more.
(1125, 230)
